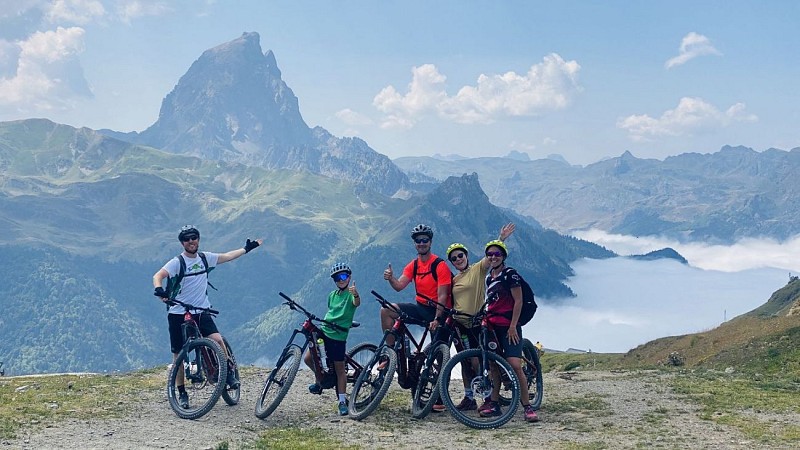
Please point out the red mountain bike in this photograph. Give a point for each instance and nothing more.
(280, 379)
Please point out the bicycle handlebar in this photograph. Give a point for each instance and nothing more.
(296, 306)
(189, 307)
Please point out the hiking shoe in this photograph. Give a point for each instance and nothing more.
(487, 404)
(315, 389)
(438, 406)
(492, 410)
(342, 408)
(233, 380)
(467, 404)
(183, 399)
(530, 414)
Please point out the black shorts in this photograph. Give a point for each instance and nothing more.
(204, 321)
(509, 350)
(419, 313)
(334, 350)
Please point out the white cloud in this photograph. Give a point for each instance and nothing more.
(692, 46)
(48, 74)
(350, 117)
(549, 85)
(691, 115)
(745, 254)
(74, 11)
(134, 9)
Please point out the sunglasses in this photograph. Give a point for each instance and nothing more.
(495, 254)
(190, 238)
(422, 240)
(455, 258)
(341, 276)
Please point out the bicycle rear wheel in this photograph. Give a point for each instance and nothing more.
(278, 382)
(360, 356)
(372, 383)
(231, 396)
(532, 369)
(200, 363)
(481, 384)
(426, 392)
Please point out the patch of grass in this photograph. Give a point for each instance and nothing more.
(725, 399)
(39, 400)
(586, 403)
(297, 439)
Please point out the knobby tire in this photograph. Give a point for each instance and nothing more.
(472, 418)
(231, 396)
(208, 382)
(427, 392)
(278, 382)
(371, 385)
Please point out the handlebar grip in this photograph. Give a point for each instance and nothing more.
(284, 296)
(378, 295)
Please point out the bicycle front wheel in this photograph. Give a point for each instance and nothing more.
(481, 384)
(231, 396)
(427, 393)
(372, 384)
(532, 369)
(278, 382)
(200, 368)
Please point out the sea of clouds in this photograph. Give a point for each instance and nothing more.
(621, 303)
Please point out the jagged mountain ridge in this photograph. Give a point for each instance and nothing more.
(717, 197)
(232, 105)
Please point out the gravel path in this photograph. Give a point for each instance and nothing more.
(591, 409)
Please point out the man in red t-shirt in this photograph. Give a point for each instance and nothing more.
(429, 287)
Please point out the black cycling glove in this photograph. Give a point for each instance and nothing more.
(249, 245)
(160, 292)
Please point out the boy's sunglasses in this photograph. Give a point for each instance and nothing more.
(190, 238)
(341, 276)
(495, 254)
(422, 240)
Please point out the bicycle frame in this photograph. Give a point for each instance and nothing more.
(203, 362)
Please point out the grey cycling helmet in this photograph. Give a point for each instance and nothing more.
(340, 267)
(188, 231)
(421, 229)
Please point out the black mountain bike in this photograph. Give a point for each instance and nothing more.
(202, 363)
(407, 358)
(481, 383)
(280, 379)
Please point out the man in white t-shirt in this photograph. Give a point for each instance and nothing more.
(191, 289)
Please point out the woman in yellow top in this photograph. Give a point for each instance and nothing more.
(469, 295)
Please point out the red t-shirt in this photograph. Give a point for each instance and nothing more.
(424, 282)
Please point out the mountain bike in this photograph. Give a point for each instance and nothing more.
(481, 383)
(280, 378)
(202, 363)
(532, 369)
(407, 358)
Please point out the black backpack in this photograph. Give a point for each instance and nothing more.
(174, 283)
(528, 301)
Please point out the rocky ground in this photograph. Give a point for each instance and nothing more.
(581, 410)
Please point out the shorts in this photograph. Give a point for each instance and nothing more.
(204, 321)
(420, 314)
(334, 350)
(509, 350)
(472, 335)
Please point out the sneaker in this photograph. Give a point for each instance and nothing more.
(342, 408)
(487, 404)
(492, 410)
(438, 406)
(530, 414)
(315, 389)
(233, 380)
(467, 404)
(183, 399)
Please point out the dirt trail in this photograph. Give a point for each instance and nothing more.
(592, 409)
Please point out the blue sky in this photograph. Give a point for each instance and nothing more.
(586, 80)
